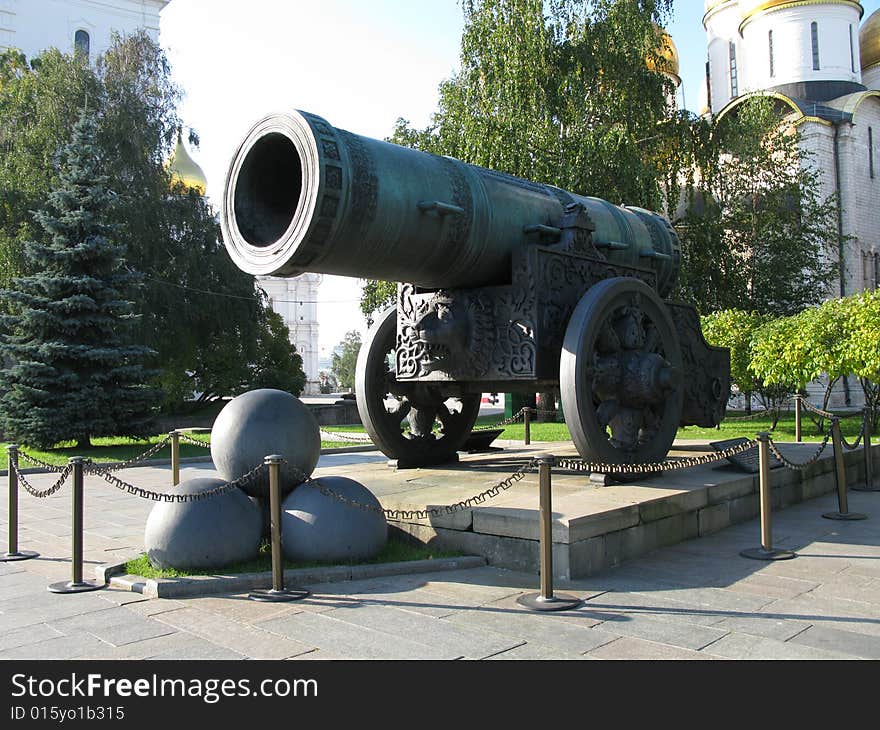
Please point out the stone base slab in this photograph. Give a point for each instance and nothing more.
(594, 526)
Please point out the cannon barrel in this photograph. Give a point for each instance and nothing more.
(302, 195)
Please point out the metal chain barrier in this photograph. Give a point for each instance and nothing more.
(824, 414)
(190, 440)
(855, 445)
(42, 464)
(774, 414)
(795, 465)
(397, 514)
(142, 457)
(345, 437)
(124, 486)
(38, 493)
(653, 468)
(520, 414)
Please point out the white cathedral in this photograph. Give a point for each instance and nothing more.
(86, 26)
(823, 67)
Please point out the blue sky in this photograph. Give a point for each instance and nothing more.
(359, 63)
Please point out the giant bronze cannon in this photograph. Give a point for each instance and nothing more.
(504, 285)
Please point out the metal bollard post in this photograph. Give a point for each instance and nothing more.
(843, 512)
(175, 457)
(77, 585)
(546, 600)
(866, 451)
(13, 553)
(797, 418)
(527, 417)
(277, 592)
(766, 551)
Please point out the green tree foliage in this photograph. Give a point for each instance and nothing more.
(838, 338)
(74, 372)
(344, 362)
(759, 236)
(737, 330)
(201, 315)
(556, 91)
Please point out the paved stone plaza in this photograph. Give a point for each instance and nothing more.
(695, 600)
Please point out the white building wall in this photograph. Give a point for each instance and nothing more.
(721, 25)
(861, 195)
(33, 26)
(296, 300)
(793, 47)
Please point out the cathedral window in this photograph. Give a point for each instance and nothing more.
(871, 152)
(734, 86)
(852, 55)
(81, 42)
(770, 47)
(814, 40)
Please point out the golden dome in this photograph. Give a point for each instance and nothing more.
(869, 41)
(668, 56)
(183, 169)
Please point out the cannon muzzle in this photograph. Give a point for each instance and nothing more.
(302, 195)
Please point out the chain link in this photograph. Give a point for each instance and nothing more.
(42, 494)
(655, 467)
(795, 465)
(124, 486)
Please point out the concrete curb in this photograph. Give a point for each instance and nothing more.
(205, 584)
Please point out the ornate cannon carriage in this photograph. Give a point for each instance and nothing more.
(505, 285)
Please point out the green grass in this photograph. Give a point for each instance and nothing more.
(395, 551)
(728, 429)
(113, 449)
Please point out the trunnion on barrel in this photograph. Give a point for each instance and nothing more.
(505, 284)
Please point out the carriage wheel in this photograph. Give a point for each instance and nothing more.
(414, 423)
(621, 373)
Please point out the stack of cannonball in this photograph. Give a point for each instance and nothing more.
(228, 528)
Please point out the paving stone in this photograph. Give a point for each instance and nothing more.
(114, 626)
(238, 607)
(531, 650)
(346, 639)
(27, 635)
(198, 649)
(628, 647)
(768, 626)
(661, 631)
(714, 518)
(610, 604)
(154, 606)
(772, 586)
(837, 640)
(745, 646)
(73, 646)
(453, 639)
(547, 629)
(245, 640)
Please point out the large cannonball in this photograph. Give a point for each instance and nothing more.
(209, 533)
(315, 527)
(257, 424)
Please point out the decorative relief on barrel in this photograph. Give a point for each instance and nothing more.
(364, 182)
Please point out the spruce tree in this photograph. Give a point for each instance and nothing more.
(73, 371)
